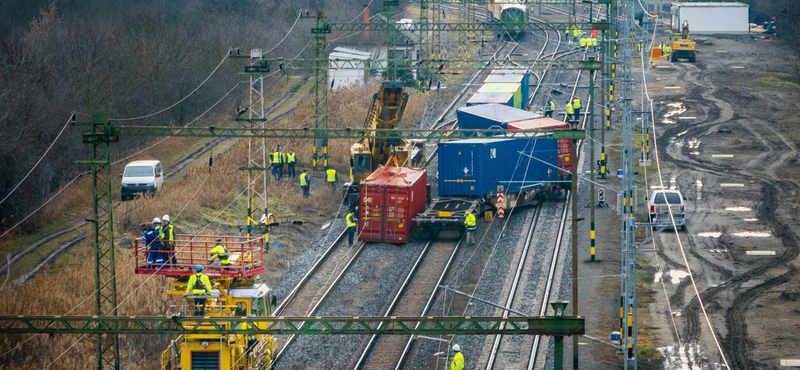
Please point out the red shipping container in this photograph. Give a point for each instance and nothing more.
(390, 199)
(547, 123)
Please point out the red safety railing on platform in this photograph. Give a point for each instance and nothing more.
(246, 256)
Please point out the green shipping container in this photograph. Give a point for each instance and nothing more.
(508, 88)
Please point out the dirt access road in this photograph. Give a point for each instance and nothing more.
(727, 129)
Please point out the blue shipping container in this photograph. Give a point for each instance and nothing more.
(486, 116)
(518, 78)
(526, 78)
(475, 167)
(491, 98)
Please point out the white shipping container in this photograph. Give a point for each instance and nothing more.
(711, 18)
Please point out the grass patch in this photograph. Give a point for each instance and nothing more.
(778, 80)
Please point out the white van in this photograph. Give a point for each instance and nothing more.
(141, 177)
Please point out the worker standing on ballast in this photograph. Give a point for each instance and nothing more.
(330, 175)
(351, 227)
(291, 160)
(305, 183)
(458, 358)
(219, 254)
(277, 165)
(198, 284)
(576, 105)
(469, 224)
(570, 111)
(549, 109)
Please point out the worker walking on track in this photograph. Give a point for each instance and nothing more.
(168, 239)
(291, 160)
(219, 254)
(570, 111)
(330, 175)
(549, 109)
(305, 183)
(351, 227)
(576, 105)
(469, 223)
(458, 358)
(198, 284)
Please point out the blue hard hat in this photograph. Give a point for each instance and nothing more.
(198, 268)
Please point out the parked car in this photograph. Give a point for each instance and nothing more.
(661, 202)
(141, 177)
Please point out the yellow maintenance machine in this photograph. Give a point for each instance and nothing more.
(682, 45)
(368, 153)
(235, 291)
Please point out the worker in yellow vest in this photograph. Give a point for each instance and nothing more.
(576, 33)
(576, 105)
(593, 43)
(583, 42)
(570, 111)
(458, 358)
(305, 183)
(291, 160)
(277, 164)
(330, 175)
(220, 254)
(168, 239)
(252, 342)
(470, 224)
(549, 109)
(351, 227)
(198, 284)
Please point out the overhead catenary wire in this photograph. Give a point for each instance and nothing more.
(40, 159)
(672, 217)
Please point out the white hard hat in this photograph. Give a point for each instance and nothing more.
(156, 220)
(456, 347)
(165, 218)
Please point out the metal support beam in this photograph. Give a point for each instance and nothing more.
(113, 325)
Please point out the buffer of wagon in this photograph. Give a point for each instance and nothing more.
(246, 256)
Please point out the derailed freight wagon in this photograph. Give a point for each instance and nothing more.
(564, 145)
(491, 116)
(390, 199)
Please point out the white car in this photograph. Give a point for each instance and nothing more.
(661, 202)
(141, 177)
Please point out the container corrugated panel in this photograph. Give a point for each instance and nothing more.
(475, 167)
(526, 78)
(505, 87)
(390, 199)
(520, 79)
(564, 145)
(491, 98)
(486, 116)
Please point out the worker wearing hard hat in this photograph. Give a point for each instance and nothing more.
(168, 239)
(152, 242)
(458, 358)
(219, 254)
(198, 284)
(469, 223)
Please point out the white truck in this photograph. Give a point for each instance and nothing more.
(661, 202)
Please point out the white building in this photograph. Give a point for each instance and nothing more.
(711, 18)
(348, 67)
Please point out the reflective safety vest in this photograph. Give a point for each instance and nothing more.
(160, 231)
(470, 220)
(168, 233)
(303, 179)
(576, 32)
(458, 362)
(576, 104)
(198, 284)
(276, 157)
(583, 42)
(570, 109)
(331, 175)
(290, 158)
(351, 220)
(593, 41)
(551, 105)
(246, 326)
(220, 252)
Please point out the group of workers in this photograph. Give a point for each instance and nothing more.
(573, 109)
(665, 48)
(159, 236)
(278, 158)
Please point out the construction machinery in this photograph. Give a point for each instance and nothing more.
(682, 45)
(369, 152)
(236, 292)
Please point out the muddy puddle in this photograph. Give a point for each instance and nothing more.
(676, 109)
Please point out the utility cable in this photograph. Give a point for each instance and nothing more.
(286, 35)
(179, 101)
(40, 159)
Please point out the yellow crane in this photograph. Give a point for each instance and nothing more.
(682, 45)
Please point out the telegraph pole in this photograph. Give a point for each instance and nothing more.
(320, 33)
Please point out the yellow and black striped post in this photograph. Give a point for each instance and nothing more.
(592, 248)
(630, 332)
(603, 162)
